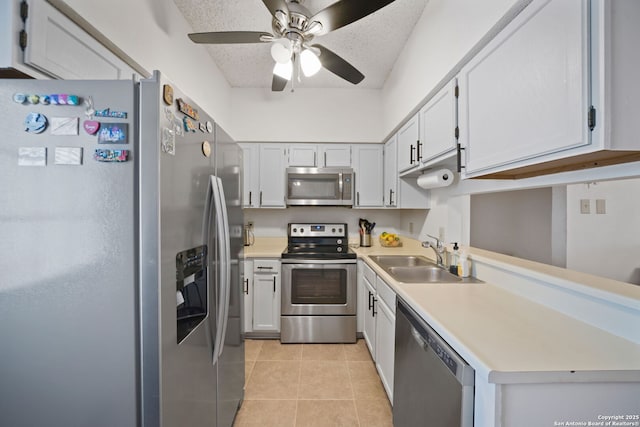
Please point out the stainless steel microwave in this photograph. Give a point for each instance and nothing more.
(319, 186)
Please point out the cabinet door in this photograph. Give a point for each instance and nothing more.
(272, 175)
(368, 162)
(335, 155)
(266, 302)
(390, 195)
(247, 292)
(438, 121)
(369, 329)
(385, 345)
(60, 48)
(408, 137)
(526, 94)
(250, 171)
(303, 155)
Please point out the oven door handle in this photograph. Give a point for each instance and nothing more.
(284, 261)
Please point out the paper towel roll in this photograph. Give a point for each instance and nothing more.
(436, 179)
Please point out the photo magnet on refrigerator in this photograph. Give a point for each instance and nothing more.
(66, 126)
(113, 133)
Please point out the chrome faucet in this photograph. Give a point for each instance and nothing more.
(438, 249)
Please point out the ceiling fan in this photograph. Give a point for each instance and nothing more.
(294, 28)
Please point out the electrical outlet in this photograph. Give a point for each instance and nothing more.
(601, 206)
(441, 233)
(585, 206)
(411, 227)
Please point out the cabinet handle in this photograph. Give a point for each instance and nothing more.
(249, 198)
(419, 154)
(357, 198)
(411, 151)
(370, 305)
(260, 267)
(391, 197)
(325, 159)
(274, 284)
(246, 289)
(374, 306)
(260, 198)
(315, 160)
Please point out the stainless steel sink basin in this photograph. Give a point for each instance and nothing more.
(415, 269)
(385, 261)
(422, 274)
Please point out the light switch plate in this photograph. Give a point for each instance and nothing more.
(601, 206)
(585, 206)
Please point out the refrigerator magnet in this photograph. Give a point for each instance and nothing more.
(189, 125)
(35, 123)
(68, 156)
(65, 126)
(187, 109)
(167, 94)
(209, 126)
(168, 141)
(206, 148)
(91, 126)
(113, 114)
(111, 156)
(112, 133)
(32, 156)
(19, 98)
(202, 127)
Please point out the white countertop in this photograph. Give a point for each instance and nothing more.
(506, 337)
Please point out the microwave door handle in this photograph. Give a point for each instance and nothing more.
(340, 185)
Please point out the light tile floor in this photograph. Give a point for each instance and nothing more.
(318, 385)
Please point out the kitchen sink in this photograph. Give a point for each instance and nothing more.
(385, 261)
(416, 269)
(422, 274)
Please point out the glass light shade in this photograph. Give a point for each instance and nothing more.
(314, 28)
(280, 53)
(309, 62)
(283, 70)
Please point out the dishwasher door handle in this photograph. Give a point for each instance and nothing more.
(416, 336)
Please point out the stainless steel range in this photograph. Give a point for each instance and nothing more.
(318, 285)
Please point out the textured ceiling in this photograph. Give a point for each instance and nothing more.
(371, 44)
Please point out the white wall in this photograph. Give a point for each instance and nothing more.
(447, 30)
(605, 244)
(154, 34)
(307, 115)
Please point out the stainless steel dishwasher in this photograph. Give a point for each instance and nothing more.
(433, 385)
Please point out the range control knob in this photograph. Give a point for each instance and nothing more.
(340, 230)
(301, 230)
(333, 230)
(339, 241)
(339, 249)
(295, 230)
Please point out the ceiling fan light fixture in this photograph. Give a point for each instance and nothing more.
(281, 51)
(283, 70)
(309, 62)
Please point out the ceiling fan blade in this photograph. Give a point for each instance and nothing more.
(225, 37)
(344, 12)
(338, 66)
(276, 5)
(278, 84)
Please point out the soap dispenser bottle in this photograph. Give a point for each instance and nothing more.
(453, 261)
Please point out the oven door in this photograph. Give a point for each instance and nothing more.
(319, 287)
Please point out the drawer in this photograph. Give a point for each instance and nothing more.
(368, 274)
(271, 266)
(386, 294)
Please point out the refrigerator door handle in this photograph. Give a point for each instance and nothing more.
(226, 262)
(217, 289)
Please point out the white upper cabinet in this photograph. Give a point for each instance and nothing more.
(408, 139)
(526, 99)
(335, 155)
(61, 49)
(321, 156)
(438, 121)
(390, 194)
(251, 175)
(303, 155)
(367, 166)
(272, 176)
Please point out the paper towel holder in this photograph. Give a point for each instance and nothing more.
(436, 179)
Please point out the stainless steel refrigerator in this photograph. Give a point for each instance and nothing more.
(120, 241)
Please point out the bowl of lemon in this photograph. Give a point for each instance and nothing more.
(390, 240)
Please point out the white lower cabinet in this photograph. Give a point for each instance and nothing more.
(262, 298)
(379, 323)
